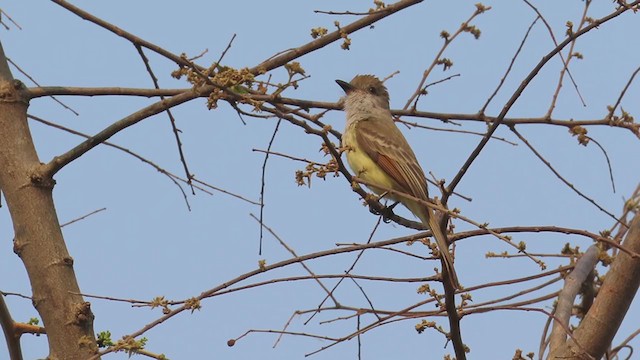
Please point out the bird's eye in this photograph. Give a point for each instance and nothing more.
(372, 90)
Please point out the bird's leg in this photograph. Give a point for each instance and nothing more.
(386, 212)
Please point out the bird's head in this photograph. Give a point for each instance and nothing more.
(366, 89)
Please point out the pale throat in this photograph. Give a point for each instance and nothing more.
(360, 106)
(364, 108)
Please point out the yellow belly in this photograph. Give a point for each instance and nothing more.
(364, 167)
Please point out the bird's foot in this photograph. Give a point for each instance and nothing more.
(386, 212)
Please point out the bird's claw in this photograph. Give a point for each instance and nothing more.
(386, 212)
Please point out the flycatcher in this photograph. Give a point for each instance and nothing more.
(379, 154)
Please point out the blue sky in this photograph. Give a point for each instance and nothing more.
(148, 244)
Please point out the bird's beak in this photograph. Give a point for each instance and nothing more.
(345, 86)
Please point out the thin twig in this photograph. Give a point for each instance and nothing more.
(172, 119)
(58, 162)
(516, 95)
(10, 19)
(391, 75)
(623, 344)
(454, 214)
(287, 156)
(83, 217)
(348, 271)
(252, 202)
(282, 333)
(447, 41)
(174, 178)
(424, 89)
(622, 93)
(122, 33)
(555, 43)
(263, 182)
(37, 84)
(565, 64)
(560, 177)
(321, 276)
(544, 342)
(364, 293)
(133, 302)
(513, 60)
(292, 252)
(460, 131)
(606, 156)
(292, 54)
(224, 52)
(549, 314)
(341, 12)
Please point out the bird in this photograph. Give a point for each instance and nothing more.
(379, 154)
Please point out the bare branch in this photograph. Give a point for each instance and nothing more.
(350, 269)
(454, 214)
(33, 93)
(2, 12)
(555, 42)
(415, 124)
(525, 83)
(447, 41)
(612, 110)
(35, 82)
(623, 344)
(10, 335)
(122, 33)
(606, 157)
(564, 308)
(292, 252)
(263, 182)
(174, 178)
(82, 217)
(557, 174)
(58, 162)
(172, 119)
(506, 73)
(600, 324)
(517, 294)
(323, 41)
(565, 63)
(309, 104)
(38, 240)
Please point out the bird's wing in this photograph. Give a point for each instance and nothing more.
(387, 147)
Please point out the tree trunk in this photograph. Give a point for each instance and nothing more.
(38, 240)
(596, 331)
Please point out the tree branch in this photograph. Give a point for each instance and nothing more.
(122, 33)
(8, 327)
(58, 162)
(33, 93)
(525, 83)
(564, 308)
(600, 324)
(38, 238)
(323, 41)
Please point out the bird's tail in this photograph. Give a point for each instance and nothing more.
(428, 218)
